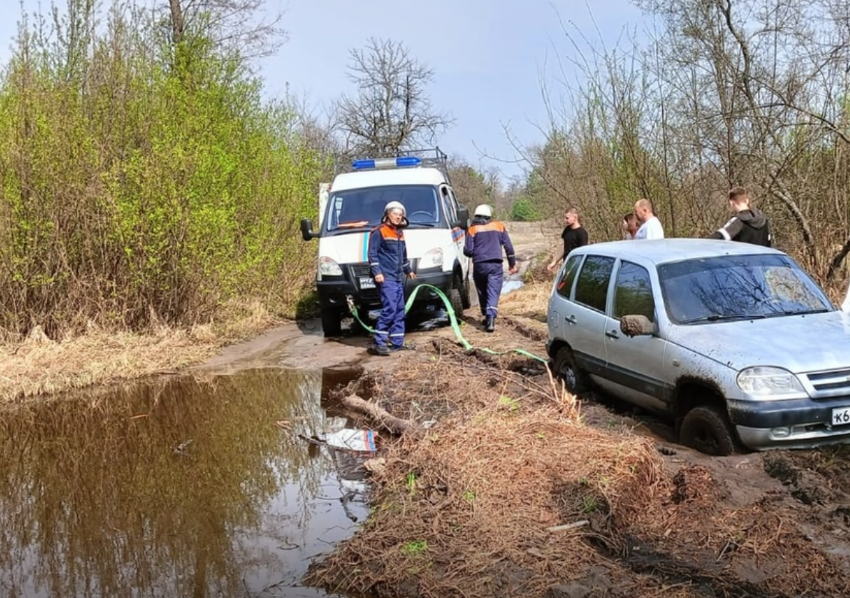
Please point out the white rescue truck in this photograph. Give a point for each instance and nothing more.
(354, 204)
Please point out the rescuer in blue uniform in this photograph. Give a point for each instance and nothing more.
(484, 242)
(389, 265)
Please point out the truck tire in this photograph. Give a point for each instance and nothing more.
(331, 321)
(465, 298)
(707, 429)
(566, 368)
(456, 300)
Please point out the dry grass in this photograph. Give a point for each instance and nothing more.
(475, 506)
(38, 365)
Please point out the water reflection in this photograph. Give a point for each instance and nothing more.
(175, 488)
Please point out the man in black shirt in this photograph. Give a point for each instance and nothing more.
(748, 225)
(574, 236)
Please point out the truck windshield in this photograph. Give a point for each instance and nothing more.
(721, 288)
(363, 208)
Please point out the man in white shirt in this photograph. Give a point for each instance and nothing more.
(650, 226)
(845, 307)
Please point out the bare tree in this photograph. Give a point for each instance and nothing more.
(240, 25)
(391, 109)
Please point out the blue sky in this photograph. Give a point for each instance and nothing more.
(488, 57)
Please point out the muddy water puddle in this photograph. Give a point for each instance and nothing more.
(178, 487)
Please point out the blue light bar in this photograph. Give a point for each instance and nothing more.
(363, 164)
(402, 162)
(407, 161)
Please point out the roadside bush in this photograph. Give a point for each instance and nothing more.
(142, 183)
(524, 211)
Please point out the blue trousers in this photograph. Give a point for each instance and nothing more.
(488, 284)
(390, 327)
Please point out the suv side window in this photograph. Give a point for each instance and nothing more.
(592, 283)
(633, 292)
(565, 284)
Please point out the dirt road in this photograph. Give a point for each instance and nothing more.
(513, 488)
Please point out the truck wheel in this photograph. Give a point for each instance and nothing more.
(567, 369)
(465, 299)
(456, 300)
(707, 429)
(331, 321)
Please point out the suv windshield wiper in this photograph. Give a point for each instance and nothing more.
(718, 317)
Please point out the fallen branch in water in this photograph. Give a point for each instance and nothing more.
(384, 419)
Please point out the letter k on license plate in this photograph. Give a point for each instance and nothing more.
(841, 417)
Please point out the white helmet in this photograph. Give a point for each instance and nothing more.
(484, 210)
(395, 205)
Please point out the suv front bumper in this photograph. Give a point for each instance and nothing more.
(796, 423)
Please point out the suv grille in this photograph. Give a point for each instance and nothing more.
(830, 383)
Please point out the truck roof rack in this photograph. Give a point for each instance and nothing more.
(430, 157)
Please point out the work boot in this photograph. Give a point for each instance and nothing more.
(402, 347)
(490, 324)
(381, 350)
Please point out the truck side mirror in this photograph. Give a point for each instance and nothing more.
(463, 218)
(307, 229)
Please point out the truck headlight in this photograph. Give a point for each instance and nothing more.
(770, 382)
(432, 259)
(328, 267)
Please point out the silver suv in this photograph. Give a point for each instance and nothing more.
(734, 342)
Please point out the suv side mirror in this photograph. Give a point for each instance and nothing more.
(636, 326)
(307, 229)
(463, 218)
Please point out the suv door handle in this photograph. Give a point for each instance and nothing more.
(612, 334)
(571, 319)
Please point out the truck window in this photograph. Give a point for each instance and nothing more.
(363, 208)
(450, 204)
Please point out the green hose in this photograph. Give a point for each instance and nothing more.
(452, 318)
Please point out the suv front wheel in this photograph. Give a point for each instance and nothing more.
(707, 429)
(567, 369)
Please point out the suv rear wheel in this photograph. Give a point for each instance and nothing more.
(567, 369)
(707, 429)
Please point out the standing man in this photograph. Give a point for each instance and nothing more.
(389, 265)
(484, 241)
(630, 226)
(650, 226)
(574, 236)
(748, 225)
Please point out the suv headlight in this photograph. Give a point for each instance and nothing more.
(328, 267)
(770, 382)
(432, 259)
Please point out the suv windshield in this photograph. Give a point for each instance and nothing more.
(738, 287)
(363, 208)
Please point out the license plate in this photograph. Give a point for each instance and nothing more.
(368, 283)
(841, 417)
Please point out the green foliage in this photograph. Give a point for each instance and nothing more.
(148, 184)
(415, 547)
(524, 210)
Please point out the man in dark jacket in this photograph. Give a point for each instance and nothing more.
(389, 265)
(748, 225)
(484, 242)
(574, 236)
